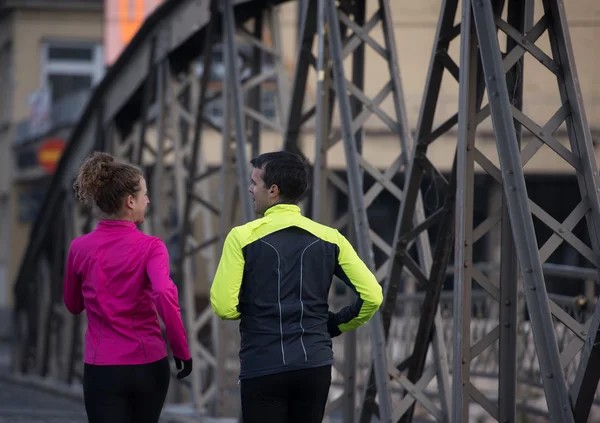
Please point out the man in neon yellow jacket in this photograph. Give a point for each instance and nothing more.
(274, 276)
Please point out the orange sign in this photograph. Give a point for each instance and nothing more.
(123, 19)
(49, 154)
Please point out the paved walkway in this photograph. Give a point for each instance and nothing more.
(25, 403)
(22, 404)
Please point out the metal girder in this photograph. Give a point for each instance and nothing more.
(342, 32)
(164, 136)
(166, 142)
(411, 227)
(470, 115)
(480, 22)
(200, 241)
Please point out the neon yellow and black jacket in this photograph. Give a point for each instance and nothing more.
(274, 275)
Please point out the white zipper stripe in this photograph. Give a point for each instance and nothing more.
(279, 297)
(301, 302)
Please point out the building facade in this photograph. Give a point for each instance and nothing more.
(53, 52)
(51, 56)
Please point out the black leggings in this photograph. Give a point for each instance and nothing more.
(291, 397)
(125, 394)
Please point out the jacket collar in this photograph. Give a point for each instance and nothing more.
(282, 208)
(113, 224)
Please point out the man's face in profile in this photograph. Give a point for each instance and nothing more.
(263, 197)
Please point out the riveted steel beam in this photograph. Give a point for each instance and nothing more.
(158, 102)
(503, 74)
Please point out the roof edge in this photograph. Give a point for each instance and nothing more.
(54, 4)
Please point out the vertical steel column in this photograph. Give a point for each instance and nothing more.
(323, 128)
(43, 297)
(359, 212)
(193, 176)
(350, 46)
(54, 366)
(186, 181)
(72, 214)
(351, 339)
(234, 96)
(5, 212)
(320, 187)
(49, 308)
(430, 329)
(190, 197)
(520, 16)
(283, 86)
(520, 213)
(80, 221)
(312, 22)
(588, 372)
(148, 90)
(228, 192)
(411, 226)
(464, 219)
(156, 185)
(254, 96)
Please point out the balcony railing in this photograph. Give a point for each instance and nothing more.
(65, 113)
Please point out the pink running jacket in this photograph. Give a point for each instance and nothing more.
(120, 277)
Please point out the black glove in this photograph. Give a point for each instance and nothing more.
(187, 367)
(332, 325)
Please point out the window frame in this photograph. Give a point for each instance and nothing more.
(93, 68)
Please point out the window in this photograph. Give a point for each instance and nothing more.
(68, 68)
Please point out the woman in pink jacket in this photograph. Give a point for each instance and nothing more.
(120, 277)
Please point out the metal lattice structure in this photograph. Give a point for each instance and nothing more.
(418, 354)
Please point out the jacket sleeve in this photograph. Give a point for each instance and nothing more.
(166, 299)
(225, 289)
(354, 272)
(72, 295)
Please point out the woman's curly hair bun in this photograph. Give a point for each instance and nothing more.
(105, 181)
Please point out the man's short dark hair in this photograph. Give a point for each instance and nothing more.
(287, 171)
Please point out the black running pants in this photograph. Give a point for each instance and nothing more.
(290, 397)
(125, 394)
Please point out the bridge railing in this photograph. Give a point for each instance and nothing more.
(485, 315)
(484, 368)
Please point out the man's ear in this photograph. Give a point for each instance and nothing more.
(274, 190)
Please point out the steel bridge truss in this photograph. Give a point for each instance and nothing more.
(159, 122)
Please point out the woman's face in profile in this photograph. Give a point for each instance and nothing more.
(139, 203)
